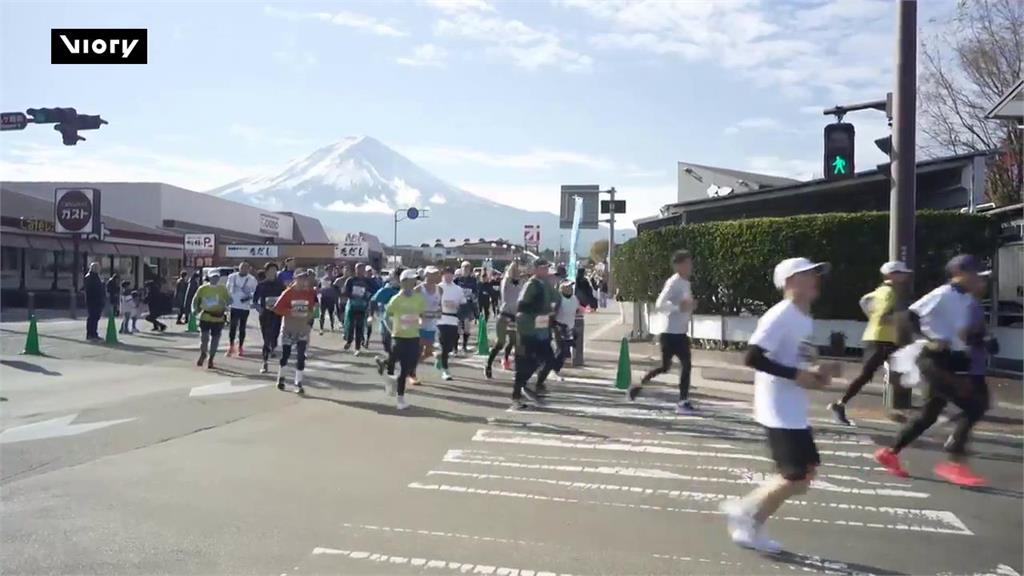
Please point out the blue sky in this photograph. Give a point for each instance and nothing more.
(505, 99)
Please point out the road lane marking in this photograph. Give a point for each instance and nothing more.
(746, 477)
(728, 469)
(942, 516)
(429, 563)
(222, 388)
(54, 428)
(441, 534)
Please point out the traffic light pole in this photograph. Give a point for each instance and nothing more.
(611, 241)
(902, 198)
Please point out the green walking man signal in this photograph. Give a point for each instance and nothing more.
(839, 151)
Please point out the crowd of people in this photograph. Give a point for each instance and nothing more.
(433, 311)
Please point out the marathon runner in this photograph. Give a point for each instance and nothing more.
(880, 334)
(533, 324)
(565, 323)
(506, 324)
(328, 297)
(453, 302)
(296, 306)
(781, 353)
(379, 302)
(402, 317)
(210, 305)
(470, 309)
(674, 305)
(357, 292)
(375, 284)
(339, 285)
(265, 297)
(487, 295)
(241, 286)
(943, 318)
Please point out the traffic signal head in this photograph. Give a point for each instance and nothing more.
(86, 122)
(68, 133)
(839, 151)
(51, 115)
(69, 128)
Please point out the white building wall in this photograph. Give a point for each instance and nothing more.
(208, 210)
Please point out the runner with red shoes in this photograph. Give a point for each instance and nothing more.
(943, 317)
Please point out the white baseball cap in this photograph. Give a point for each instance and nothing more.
(431, 270)
(408, 275)
(791, 266)
(895, 267)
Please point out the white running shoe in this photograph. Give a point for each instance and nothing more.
(445, 375)
(402, 404)
(684, 408)
(358, 353)
(765, 544)
(559, 377)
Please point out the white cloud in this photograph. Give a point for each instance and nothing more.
(759, 123)
(525, 46)
(438, 199)
(455, 6)
(96, 162)
(370, 206)
(405, 195)
(788, 168)
(791, 48)
(536, 159)
(425, 55)
(343, 18)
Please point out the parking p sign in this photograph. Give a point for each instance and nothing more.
(200, 244)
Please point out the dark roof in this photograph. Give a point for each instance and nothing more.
(751, 177)
(823, 184)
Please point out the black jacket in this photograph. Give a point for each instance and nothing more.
(180, 291)
(95, 294)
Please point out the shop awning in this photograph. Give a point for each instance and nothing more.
(157, 252)
(105, 248)
(14, 241)
(45, 243)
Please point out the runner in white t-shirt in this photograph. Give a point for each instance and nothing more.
(780, 352)
(452, 301)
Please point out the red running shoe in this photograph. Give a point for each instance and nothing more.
(231, 350)
(887, 458)
(506, 364)
(959, 474)
(241, 351)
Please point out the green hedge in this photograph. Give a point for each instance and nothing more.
(733, 260)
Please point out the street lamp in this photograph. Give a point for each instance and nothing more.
(411, 213)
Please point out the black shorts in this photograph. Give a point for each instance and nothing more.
(794, 452)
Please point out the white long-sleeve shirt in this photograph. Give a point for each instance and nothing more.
(452, 297)
(239, 288)
(668, 318)
(567, 310)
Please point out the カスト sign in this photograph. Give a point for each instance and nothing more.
(77, 211)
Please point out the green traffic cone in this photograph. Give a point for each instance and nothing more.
(32, 340)
(482, 346)
(192, 323)
(111, 330)
(624, 375)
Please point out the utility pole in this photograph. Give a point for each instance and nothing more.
(611, 241)
(903, 195)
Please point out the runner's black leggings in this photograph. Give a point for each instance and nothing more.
(356, 328)
(239, 318)
(407, 352)
(674, 345)
(944, 386)
(564, 346)
(270, 327)
(300, 354)
(449, 336)
(328, 307)
(532, 355)
(875, 354)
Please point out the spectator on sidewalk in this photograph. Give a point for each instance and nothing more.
(114, 293)
(95, 300)
(180, 293)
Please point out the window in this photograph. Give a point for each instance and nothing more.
(10, 258)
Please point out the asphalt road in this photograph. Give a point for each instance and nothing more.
(128, 459)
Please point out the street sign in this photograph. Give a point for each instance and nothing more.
(531, 236)
(200, 244)
(13, 121)
(412, 213)
(352, 247)
(77, 210)
(606, 206)
(251, 251)
(589, 193)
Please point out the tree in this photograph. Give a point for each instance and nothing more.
(599, 250)
(973, 61)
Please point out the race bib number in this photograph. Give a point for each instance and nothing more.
(269, 302)
(431, 314)
(300, 308)
(468, 292)
(408, 321)
(358, 291)
(211, 302)
(449, 307)
(543, 322)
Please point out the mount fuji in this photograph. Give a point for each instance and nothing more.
(356, 185)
